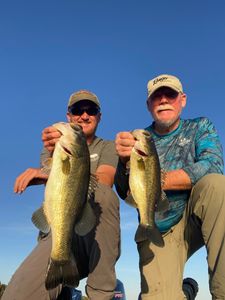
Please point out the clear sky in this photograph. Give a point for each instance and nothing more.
(51, 48)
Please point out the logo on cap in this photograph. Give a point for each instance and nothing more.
(161, 79)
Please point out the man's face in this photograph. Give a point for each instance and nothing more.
(166, 105)
(86, 114)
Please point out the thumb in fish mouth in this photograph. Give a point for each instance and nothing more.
(76, 126)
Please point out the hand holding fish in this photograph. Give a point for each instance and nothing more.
(50, 135)
(124, 144)
(29, 177)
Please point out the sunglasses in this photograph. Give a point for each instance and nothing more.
(168, 93)
(78, 111)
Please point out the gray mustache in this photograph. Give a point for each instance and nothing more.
(163, 107)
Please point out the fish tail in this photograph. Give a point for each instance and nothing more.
(59, 272)
(145, 232)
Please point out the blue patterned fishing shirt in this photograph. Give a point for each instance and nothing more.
(194, 147)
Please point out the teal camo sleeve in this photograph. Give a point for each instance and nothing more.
(208, 152)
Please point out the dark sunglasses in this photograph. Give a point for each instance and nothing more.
(168, 93)
(78, 111)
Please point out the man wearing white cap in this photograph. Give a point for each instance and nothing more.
(191, 159)
(97, 252)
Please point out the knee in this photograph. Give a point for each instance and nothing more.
(210, 189)
(215, 181)
(107, 212)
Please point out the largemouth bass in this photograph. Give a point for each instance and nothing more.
(145, 185)
(66, 203)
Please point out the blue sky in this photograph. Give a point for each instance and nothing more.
(50, 49)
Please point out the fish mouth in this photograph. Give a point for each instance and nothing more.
(66, 150)
(76, 127)
(140, 152)
(141, 137)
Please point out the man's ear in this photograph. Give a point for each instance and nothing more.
(68, 117)
(148, 104)
(183, 100)
(99, 117)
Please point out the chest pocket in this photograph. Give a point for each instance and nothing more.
(94, 159)
(95, 156)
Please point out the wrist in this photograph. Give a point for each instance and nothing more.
(124, 160)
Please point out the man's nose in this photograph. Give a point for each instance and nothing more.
(163, 99)
(84, 115)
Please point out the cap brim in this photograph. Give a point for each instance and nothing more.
(80, 100)
(164, 85)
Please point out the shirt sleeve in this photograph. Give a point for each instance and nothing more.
(45, 154)
(108, 154)
(209, 153)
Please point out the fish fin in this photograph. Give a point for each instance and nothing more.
(86, 222)
(130, 200)
(149, 233)
(66, 165)
(47, 165)
(40, 221)
(93, 182)
(64, 157)
(163, 203)
(88, 218)
(65, 273)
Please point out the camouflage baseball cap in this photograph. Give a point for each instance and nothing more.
(83, 95)
(164, 80)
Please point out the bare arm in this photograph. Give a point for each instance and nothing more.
(177, 180)
(105, 174)
(31, 176)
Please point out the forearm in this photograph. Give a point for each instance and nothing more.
(31, 176)
(176, 180)
(37, 181)
(105, 174)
